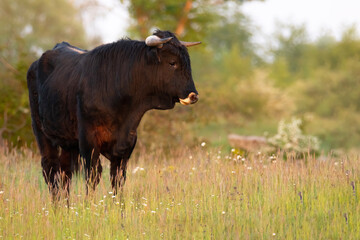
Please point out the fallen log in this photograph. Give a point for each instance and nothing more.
(248, 143)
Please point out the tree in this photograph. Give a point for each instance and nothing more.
(183, 17)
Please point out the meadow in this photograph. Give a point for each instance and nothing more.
(201, 193)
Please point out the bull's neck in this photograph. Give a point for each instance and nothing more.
(139, 108)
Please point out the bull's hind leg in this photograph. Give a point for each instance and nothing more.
(50, 163)
(49, 153)
(67, 159)
(49, 160)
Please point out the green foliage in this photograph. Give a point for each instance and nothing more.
(291, 59)
(323, 79)
(29, 26)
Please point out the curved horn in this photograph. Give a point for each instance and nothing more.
(153, 41)
(189, 44)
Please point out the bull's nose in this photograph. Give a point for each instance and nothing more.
(191, 99)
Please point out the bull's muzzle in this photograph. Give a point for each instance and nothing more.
(191, 99)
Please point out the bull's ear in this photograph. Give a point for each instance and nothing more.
(152, 56)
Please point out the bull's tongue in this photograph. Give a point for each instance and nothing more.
(185, 101)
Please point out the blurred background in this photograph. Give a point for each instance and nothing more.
(261, 63)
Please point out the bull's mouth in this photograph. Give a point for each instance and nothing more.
(191, 99)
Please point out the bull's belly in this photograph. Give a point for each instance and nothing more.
(62, 140)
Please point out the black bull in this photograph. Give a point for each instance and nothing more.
(89, 103)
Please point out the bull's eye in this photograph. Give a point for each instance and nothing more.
(172, 63)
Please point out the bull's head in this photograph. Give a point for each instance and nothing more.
(174, 67)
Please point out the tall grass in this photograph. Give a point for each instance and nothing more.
(190, 194)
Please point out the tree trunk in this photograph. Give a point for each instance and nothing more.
(180, 29)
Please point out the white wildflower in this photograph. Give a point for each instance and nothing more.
(137, 169)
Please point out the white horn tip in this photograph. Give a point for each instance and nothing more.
(152, 40)
(155, 41)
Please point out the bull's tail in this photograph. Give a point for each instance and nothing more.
(31, 74)
(33, 93)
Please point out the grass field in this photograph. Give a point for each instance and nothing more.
(193, 194)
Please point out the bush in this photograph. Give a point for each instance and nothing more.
(290, 138)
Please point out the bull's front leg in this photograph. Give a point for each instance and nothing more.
(89, 151)
(91, 161)
(95, 170)
(118, 174)
(122, 151)
(92, 167)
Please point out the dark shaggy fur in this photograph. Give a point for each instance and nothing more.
(91, 102)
